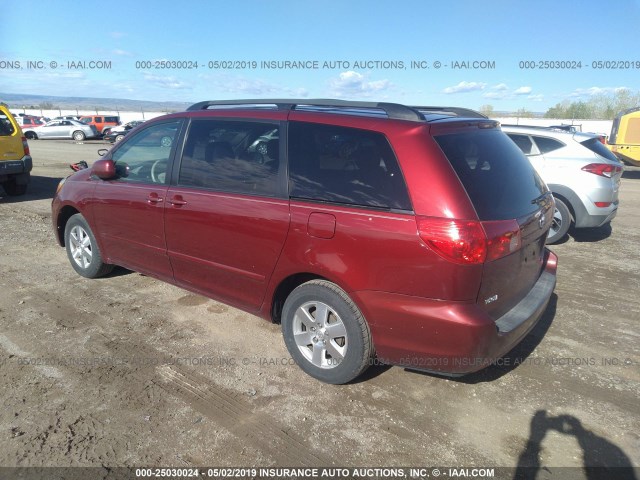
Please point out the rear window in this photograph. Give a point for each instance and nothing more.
(346, 166)
(598, 148)
(497, 176)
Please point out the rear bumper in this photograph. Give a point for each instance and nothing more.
(588, 221)
(16, 167)
(451, 338)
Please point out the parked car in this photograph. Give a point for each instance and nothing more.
(624, 140)
(582, 173)
(15, 158)
(114, 137)
(420, 239)
(68, 117)
(62, 129)
(126, 126)
(101, 122)
(26, 122)
(116, 134)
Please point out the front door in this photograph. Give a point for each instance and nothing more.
(129, 210)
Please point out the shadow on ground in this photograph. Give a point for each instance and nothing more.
(601, 458)
(40, 188)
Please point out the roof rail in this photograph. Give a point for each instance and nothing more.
(457, 111)
(395, 111)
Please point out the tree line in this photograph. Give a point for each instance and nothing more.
(602, 106)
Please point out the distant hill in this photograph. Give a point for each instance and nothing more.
(48, 102)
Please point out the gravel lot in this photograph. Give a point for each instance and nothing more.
(129, 371)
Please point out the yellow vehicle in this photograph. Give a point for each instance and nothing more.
(15, 160)
(624, 140)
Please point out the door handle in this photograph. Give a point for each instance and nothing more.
(177, 200)
(154, 198)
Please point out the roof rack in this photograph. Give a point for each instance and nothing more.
(392, 110)
(395, 111)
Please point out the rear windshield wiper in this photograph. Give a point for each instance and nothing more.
(542, 198)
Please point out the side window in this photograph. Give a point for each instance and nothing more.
(524, 143)
(344, 165)
(546, 145)
(232, 156)
(97, 119)
(6, 127)
(144, 158)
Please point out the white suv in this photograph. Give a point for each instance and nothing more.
(583, 175)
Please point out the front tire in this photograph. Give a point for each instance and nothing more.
(82, 249)
(79, 136)
(561, 222)
(118, 138)
(325, 332)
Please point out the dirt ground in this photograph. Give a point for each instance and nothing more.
(129, 371)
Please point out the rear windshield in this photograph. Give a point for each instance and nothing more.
(498, 178)
(598, 148)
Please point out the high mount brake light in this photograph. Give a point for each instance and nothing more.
(470, 242)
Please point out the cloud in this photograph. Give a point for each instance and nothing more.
(522, 91)
(592, 91)
(500, 87)
(464, 87)
(536, 98)
(350, 83)
(494, 95)
(241, 86)
(123, 53)
(169, 82)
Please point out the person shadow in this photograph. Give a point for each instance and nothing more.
(601, 458)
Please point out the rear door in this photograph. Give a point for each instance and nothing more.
(227, 215)
(503, 185)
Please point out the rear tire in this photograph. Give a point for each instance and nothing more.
(325, 332)
(561, 222)
(13, 189)
(82, 249)
(79, 136)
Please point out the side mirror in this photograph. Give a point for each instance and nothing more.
(104, 169)
(102, 152)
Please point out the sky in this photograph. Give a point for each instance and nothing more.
(466, 53)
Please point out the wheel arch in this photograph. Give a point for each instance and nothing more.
(65, 214)
(288, 285)
(570, 199)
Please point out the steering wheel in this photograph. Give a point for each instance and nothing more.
(156, 176)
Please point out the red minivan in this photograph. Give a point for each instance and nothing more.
(413, 236)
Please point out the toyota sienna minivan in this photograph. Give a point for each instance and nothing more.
(412, 236)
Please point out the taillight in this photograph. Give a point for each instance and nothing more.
(602, 169)
(470, 242)
(25, 146)
(503, 237)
